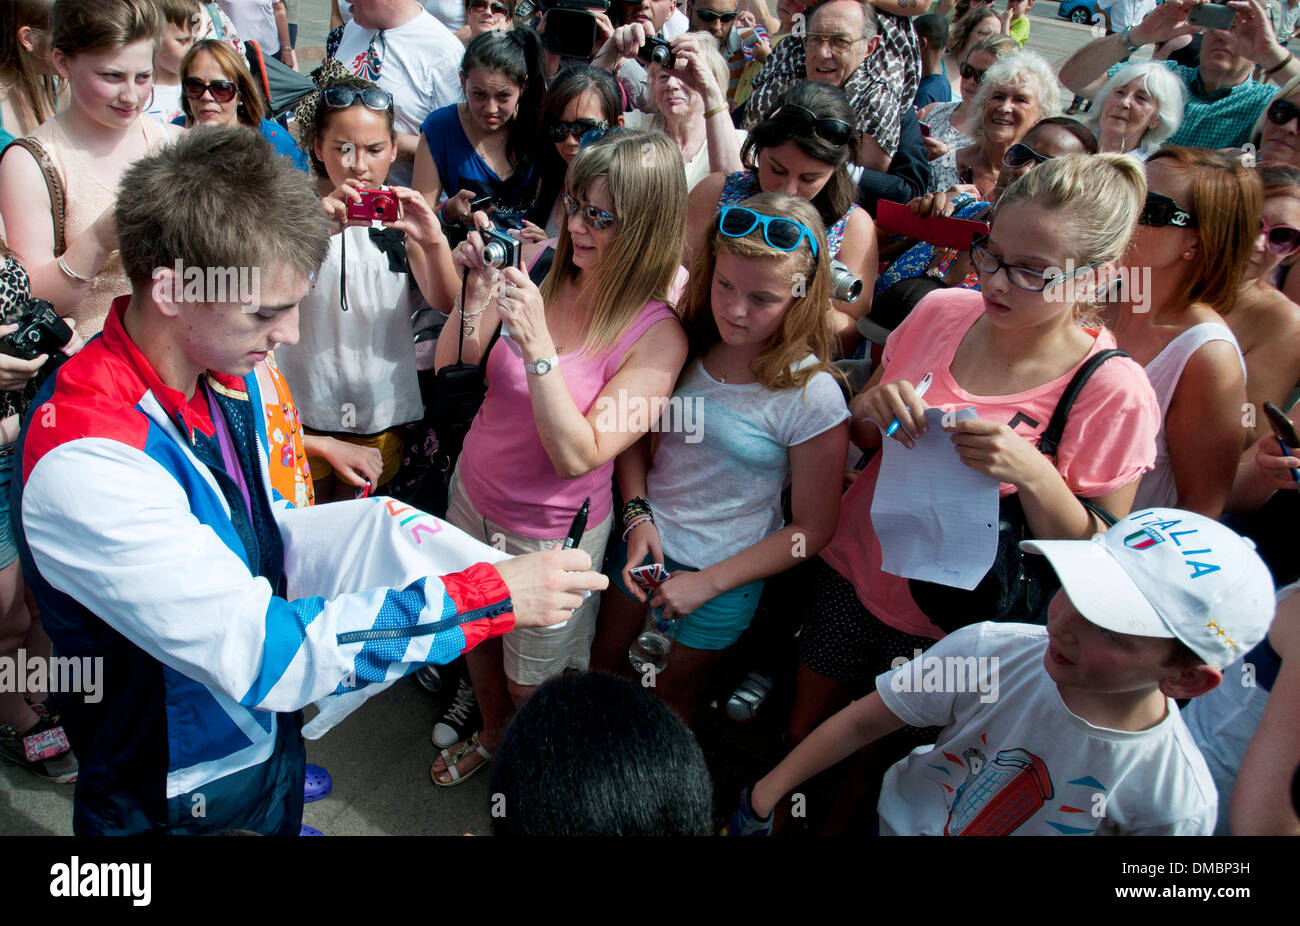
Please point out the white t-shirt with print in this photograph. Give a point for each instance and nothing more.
(1019, 761)
(724, 457)
(166, 104)
(418, 63)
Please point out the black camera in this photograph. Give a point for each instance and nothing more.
(501, 250)
(571, 26)
(657, 51)
(41, 331)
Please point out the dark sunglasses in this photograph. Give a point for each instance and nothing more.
(709, 16)
(371, 98)
(969, 73)
(1280, 112)
(1160, 211)
(598, 219)
(1020, 154)
(601, 131)
(805, 122)
(559, 131)
(1282, 239)
(499, 8)
(781, 233)
(223, 91)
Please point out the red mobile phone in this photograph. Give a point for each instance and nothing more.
(945, 232)
(925, 129)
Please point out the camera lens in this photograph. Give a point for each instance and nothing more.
(845, 287)
(494, 254)
(662, 56)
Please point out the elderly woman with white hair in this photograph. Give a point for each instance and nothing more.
(1139, 107)
(1015, 93)
(693, 110)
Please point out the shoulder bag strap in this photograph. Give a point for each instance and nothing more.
(214, 14)
(58, 200)
(1050, 441)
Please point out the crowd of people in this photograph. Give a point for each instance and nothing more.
(597, 329)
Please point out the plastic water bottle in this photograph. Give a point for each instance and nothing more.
(651, 646)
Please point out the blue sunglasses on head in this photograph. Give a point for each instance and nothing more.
(781, 233)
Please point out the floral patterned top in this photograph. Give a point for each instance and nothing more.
(290, 476)
(742, 184)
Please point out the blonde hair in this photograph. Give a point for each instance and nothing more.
(646, 181)
(806, 326)
(79, 26)
(1099, 195)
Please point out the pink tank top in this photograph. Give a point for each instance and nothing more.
(87, 197)
(504, 467)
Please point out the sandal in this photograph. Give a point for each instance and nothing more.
(305, 830)
(317, 784)
(42, 750)
(749, 697)
(468, 748)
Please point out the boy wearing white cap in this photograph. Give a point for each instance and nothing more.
(1069, 728)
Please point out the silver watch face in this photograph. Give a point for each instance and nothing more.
(542, 367)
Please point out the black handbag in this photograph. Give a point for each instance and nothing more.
(1019, 585)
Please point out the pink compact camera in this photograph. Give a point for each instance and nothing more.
(375, 204)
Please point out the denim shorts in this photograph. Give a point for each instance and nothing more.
(8, 551)
(714, 625)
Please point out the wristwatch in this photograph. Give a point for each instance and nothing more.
(543, 366)
(1123, 37)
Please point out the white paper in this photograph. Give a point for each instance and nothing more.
(937, 519)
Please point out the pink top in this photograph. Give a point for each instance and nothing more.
(504, 467)
(1109, 438)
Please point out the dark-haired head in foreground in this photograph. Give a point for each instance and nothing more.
(593, 755)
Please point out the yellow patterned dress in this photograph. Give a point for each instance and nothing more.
(290, 475)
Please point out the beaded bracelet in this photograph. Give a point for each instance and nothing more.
(636, 522)
(635, 507)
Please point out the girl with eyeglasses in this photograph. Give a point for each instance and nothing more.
(949, 122)
(353, 371)
(1013, 94)
(590, 359)
(29, 86)
(803, 149)
(1008, 351)
(775, 415)
(104, 49)
(484, 146)
(483, 16)
(1199, 228)
(217, 89)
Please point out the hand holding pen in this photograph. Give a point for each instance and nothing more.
(899, 403)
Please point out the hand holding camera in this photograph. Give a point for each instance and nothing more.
(519, 303)
(352, 204)
(39, 333)
(625, 43)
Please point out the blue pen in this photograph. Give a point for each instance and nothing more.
(1286, 452)
(921, 388)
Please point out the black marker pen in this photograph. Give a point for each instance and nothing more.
(578, 527)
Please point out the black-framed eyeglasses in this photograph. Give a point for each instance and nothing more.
(500, 9)
(598, 219)
(1282, 239)
(781, 233)
(806, 122)
(577, 129)
(970, 73)
(371, 98)
(1280, 112)
(709, 16)
(1159, 211)
(223, 91)
(1033, 281)
(1020, 154)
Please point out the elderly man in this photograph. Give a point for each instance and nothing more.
(1223, 102)
(872, 56)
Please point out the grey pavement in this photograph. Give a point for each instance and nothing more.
(379, 757)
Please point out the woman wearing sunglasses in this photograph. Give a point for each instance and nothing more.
(353, 370)
(925, 267)
(1009, 351)
(1013, 94)
(803, 149)
(484, 146)
(758, 355)
(579, 100)
(1139, 107)
(1193, 247)
(1265, 322)
(691, 99)
(217, 89)
(483, 16)
(949, 122)
(104, 49)
(590, 355)
(969, 29)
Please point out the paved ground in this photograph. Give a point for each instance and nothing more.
(380, 756)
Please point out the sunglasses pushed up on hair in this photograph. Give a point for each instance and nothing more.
(781, 233)
(806, 123)
(371, 98)
(223, 91)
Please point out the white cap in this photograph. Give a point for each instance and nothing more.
(1162, 572)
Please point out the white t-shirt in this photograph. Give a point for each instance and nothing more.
(724, 457)
(451, 13)
(697, 168)
(255, 19)
(1023, 763)
(1126, 13)
(166, 104)
(418, 63)
(354, 371)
